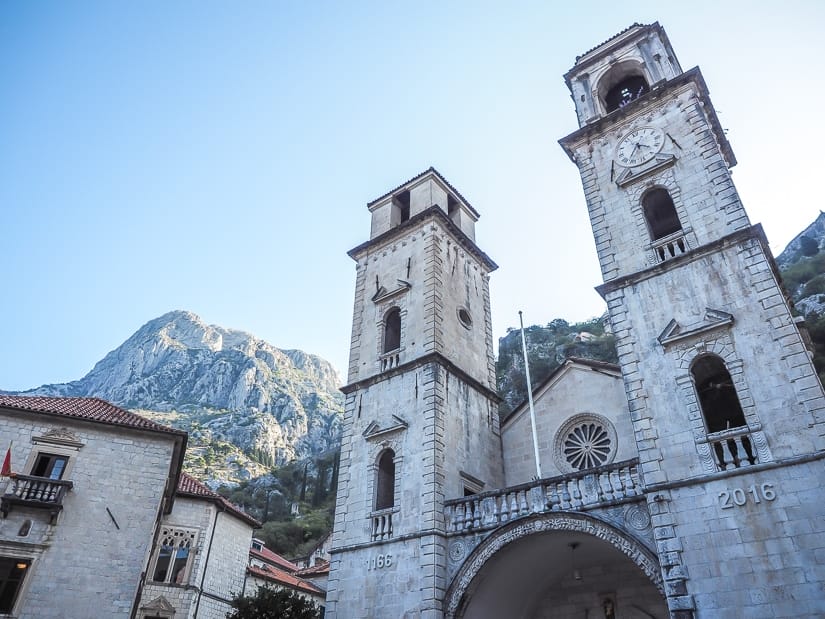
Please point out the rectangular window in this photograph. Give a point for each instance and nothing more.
(12, 573)
(49, 465)
(172, 559)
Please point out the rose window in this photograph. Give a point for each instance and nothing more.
(585, 442)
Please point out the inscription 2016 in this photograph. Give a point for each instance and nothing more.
(738, 497)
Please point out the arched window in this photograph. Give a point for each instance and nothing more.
(660, 213)
(717, 395)
(392, 330)
(385, 486)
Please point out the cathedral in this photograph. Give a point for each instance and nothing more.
(684, 482)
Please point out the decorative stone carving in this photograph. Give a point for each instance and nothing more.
(637, 517)
(457, 551)
(561, 521)
(585, 441)
(59, 436)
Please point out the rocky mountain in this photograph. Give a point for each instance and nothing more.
(247, 405)
(803, 268)
(547, 348)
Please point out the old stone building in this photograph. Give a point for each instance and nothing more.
(684, 482)
(199, 558)
(98, 520)
(79, 516)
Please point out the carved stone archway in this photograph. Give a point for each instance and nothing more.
(462, 586)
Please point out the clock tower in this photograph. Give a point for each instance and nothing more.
(727, 410)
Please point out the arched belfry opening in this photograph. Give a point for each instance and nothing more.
(660, 213)
(385, 481)
(392, 330)
(717, 395)
(623, 83)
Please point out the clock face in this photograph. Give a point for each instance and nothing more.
(639, 146)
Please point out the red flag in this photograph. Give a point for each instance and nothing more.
(6, 471)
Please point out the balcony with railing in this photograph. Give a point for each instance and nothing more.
(37, 492)
(389, 360)
(670, 246)
(601, 486)
(733, 449)
(381, 524)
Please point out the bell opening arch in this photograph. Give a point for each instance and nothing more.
(561, 564)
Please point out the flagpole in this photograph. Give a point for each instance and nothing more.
(530, 397)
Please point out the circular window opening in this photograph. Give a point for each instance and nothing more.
(464, 318)
(585, 442)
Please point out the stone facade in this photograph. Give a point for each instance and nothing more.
(215, 570)
(579, 392)
(704, 289)
(407, 393)
(681, 483)
(87, 559)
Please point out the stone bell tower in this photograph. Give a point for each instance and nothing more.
(421, 420)
(727, 410)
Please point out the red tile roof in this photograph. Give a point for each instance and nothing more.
(88, 409)
(273, 574)
(191, 487)
(267, 556)
(319, 569)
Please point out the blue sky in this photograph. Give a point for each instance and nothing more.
(218, 157)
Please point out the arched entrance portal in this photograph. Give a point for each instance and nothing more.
(560, 565)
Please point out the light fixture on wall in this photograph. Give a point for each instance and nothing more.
(577, 575)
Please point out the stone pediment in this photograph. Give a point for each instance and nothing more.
(628, 175)
(374, 430)
(713, 319)
(59, 436)
(159, 605)
(383, 294)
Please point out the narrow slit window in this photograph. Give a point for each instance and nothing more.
(660, 213)
(385, 491)
(402, 201)
(392, 330)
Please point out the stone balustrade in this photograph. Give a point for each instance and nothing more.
(32, 491)
(670, 246)
(381, 528)
(389, 361)
(733, 449)
(575, 491)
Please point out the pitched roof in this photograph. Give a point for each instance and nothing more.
(593, 364)
(273, 574)
(87, 409)
(191, 487)
(267, 556)
(618, 34)
(319, 569)
(430, 170)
